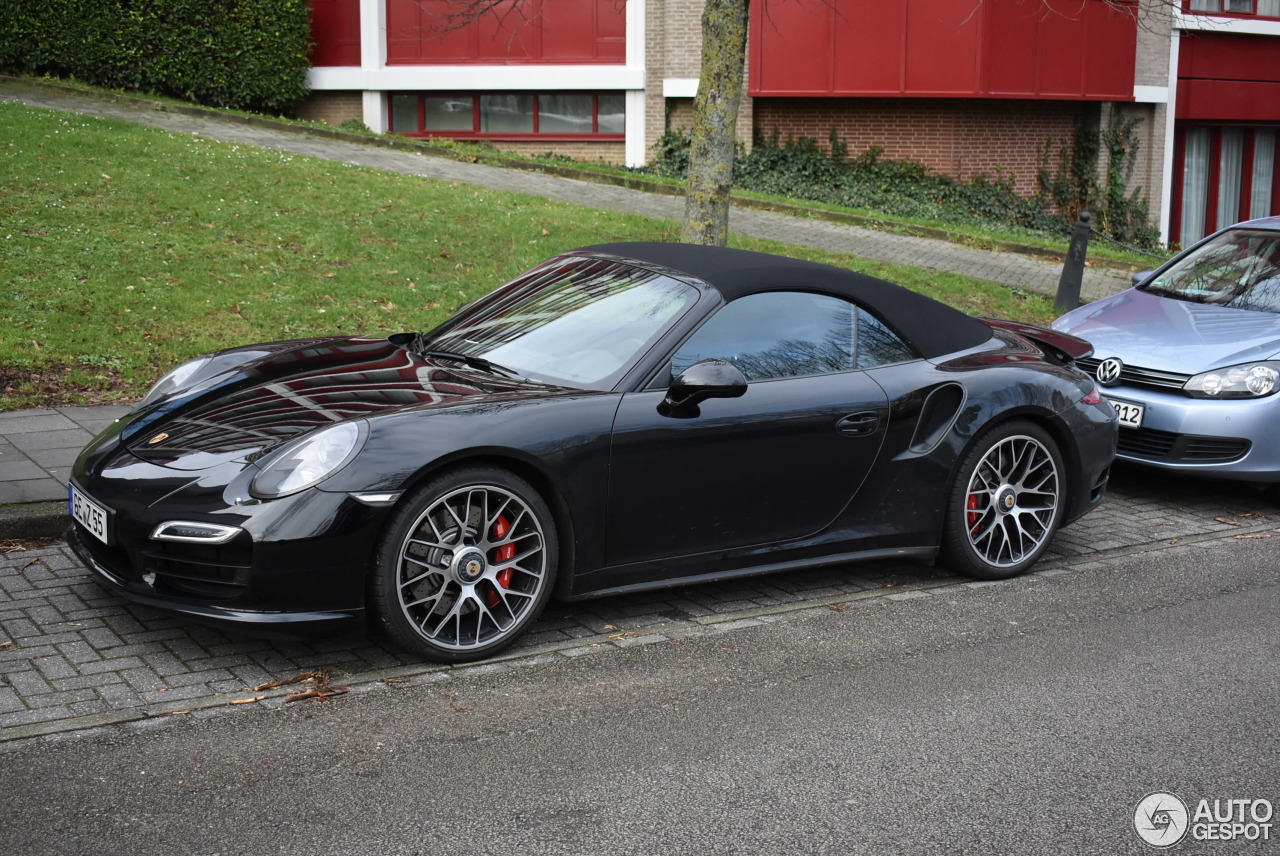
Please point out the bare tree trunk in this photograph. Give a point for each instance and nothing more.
(715, 115)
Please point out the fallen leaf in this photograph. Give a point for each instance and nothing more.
(837, 607)
(296, 679)
(16, 545)
(247, 700)
(317, 694)
(1226, 521)
(1255, 535)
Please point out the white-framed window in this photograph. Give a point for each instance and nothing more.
(509, 114)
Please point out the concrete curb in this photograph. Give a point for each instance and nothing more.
(33, 520)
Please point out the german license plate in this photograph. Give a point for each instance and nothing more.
(1130, 414)
(90, 515)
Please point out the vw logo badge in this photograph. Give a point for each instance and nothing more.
(1108, 373)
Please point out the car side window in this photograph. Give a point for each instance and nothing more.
(878, 345)
(783, 334)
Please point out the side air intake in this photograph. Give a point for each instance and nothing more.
(936, 415)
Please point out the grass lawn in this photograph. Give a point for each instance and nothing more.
(125, 250)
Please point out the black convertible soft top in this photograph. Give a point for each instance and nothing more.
(932, 328)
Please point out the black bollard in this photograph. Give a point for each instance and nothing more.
(1073, 268)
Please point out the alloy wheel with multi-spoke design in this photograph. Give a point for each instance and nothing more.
(1010, 493)
(468, 567)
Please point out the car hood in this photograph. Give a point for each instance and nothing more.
(272, 398)
(1173, 335)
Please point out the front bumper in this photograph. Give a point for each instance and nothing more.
(1228, 438)
(300, 560)
(126, 580)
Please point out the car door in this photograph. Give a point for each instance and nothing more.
(778, 463)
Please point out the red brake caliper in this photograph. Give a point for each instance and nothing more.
(972, 516)
(505, 553)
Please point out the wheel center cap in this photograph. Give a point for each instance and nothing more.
(1006, 499)
(469, 566)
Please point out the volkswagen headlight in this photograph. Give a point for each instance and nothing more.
(1251, 380)
(308, 460)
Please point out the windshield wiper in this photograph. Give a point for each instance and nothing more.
(471, 360)
(1159, 290)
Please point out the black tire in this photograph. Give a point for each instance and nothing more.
(1006, 503)
(466, 564)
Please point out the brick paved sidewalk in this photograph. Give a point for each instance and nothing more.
(73, 656)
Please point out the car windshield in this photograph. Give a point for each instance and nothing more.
(1239, 268)
(580, 322)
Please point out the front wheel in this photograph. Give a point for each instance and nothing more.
(1006, 503)
(466, 565)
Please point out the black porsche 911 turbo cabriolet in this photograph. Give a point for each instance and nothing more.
(621, 417)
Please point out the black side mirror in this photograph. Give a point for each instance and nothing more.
(703, 380)
(1140, 277)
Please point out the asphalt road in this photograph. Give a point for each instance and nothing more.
(1023, 718)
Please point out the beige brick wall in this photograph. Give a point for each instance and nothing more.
(332, 108)
(1148, 171)
(682, 37)
(673, 49)
(1151, 66)
(608, 152)
(655, 118)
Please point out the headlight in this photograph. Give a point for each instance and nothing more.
(175, 380)
(308, 460)
(1251, 380)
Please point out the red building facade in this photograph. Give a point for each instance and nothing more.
(965, 88)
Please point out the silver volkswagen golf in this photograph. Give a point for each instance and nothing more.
(1190, 357)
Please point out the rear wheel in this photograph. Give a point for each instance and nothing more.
(1006, 503)
(466, 565)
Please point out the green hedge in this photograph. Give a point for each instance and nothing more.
(241, 54)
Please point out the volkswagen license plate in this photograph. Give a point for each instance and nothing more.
(90, 515)
(1130, 414)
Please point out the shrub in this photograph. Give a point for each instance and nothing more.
(802, 169)
(240, 54)
(1076, 185)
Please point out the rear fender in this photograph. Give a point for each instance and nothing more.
(1064, 346)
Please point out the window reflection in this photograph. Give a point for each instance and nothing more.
(1239, 268)
(564, 114)
(449, 114)
(506, 114)
(793, 334)
(579, 322)
(612, 114)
